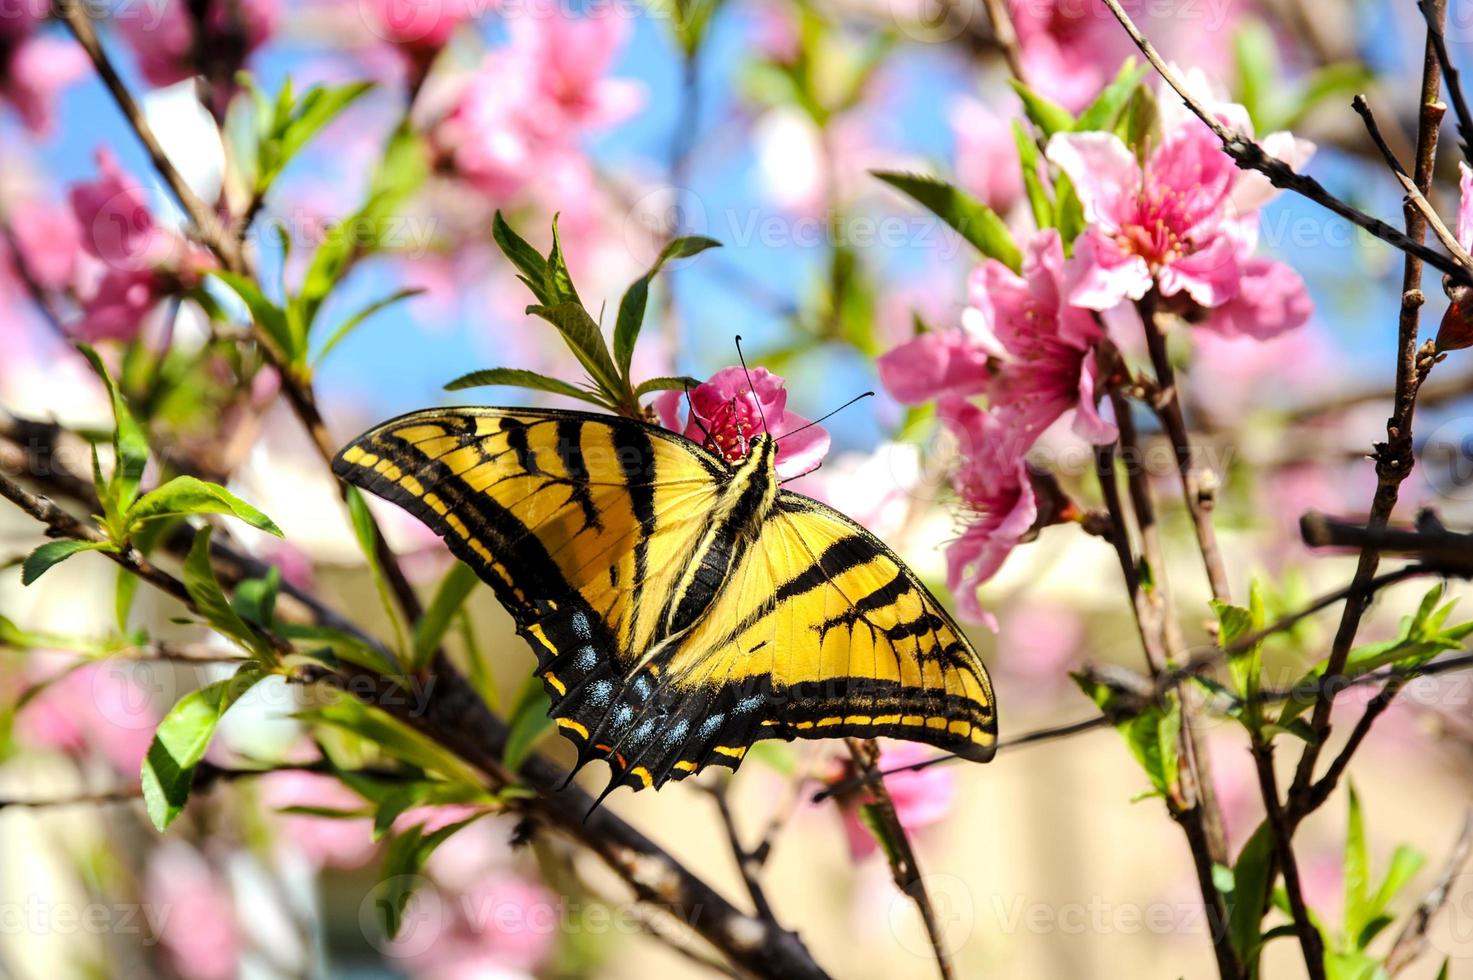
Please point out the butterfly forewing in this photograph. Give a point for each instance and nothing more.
(583, 524)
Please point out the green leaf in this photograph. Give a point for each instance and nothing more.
(530, 263)
(181, 740)
(356, 320)
(1250, 895)
(559, 280)
(1068, 212)
(1405, 863)
(1102, 113)
(1153, 735)
(366, 532)
(1046, 114)
(975, 221)
(317, 107)
(518, 378)
(664, 384)
(188, 495)
(204, 589)
(344, 646)
(1038, 199)
(873, 819)
(393, 737)
(1357, 868)
(268, 316)
(54, 553)
(130, 446)
(401, 877)
(586, 341)
(636, 297)
(397, 801)
(454, 588)
(529, 723)
(255, 598)
(1256, 57)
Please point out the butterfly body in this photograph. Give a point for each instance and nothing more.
(681, 604)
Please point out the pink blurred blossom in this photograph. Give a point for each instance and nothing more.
(922, 799)
(503, 925)
(324, 841)
(729, 412)
(104, 708)
(49, 240)
(993, 484)
(33, 72)
(167, 37)
(1043, 642)
(531, 100)
(197, 913)
(423, 28)
(986, 155)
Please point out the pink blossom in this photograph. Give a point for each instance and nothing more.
(324, 841)
(729, 412)
(414, 24)
(1068, 50)
(1185, 223)
(33, 71)
(166, 38)
(922, 799)
(1018, 342)
(531, 100)
(49, 239)
(104, 708)
(196, 912)
(986, 155)
(504, 925)
(117, 307)
(994, 487)
(117, 223)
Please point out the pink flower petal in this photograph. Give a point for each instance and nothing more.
(935, 363)
(1210, 275)
(1102, 276)
(1272, 300)
(1104, 173)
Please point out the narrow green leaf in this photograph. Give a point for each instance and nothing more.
(1102, 113)
(528, 261)
(636, 297)
(529, 723)
(54, 553)
(1357, 867)
(130, 445)
(204, 589)
(975, 221)
(1046, 114)
(1405, 863)
(188, 495)
(518, 378)
(181, 741)
(559, 280)
(401, 877)
(874, 821)
(356, 320)
(255, 599)
(401, 799)
(651, 385)
(1256, 58)
(392, 736)
(366, 532)
(1250, 895)
(454, 589)
(317, 107)
(1038, 199)
(344, 646)
(268, 316)
(586, 341)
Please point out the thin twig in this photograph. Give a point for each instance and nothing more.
(746, 862)
(1433, 18)
(1248, 155)
(1412, 941)
(1394, 458)
(903, 865)
(1310, 941)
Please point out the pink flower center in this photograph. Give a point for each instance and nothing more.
(730, 429)
(1160, 229)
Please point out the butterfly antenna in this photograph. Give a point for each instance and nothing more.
(830, 415)
(691, 407)
(741, 357)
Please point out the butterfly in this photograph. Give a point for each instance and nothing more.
(681, 605)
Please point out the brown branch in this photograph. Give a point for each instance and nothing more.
(1443, 551)
(1248, 155)
(747, 861)
(1394, 458)
(1310, 941)
(903, 865)
(1412, 941)
(454, 715)
(1432, 14)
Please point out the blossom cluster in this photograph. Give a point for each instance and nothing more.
(1175, 222)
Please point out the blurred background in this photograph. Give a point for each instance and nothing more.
(756, 126)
